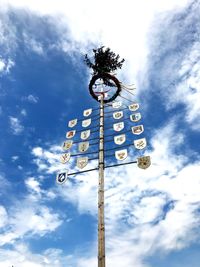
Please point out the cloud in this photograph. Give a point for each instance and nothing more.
(14, 158)
(41, 221)
(3, 216)
(32, 99)
(23, 112)
(175, 70)
(75, 32)
(146, 210)
(16, 126)
(6, 65)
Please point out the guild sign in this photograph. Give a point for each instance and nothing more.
(118, 126)
(61, 177)
(67, 144)
(70, 134)
(137, 129)
(85, 134)
(135, 117)
(117, 104)
(134, 107)
(82, 147)
(144, 162)
(72, 123)
(121, 154)
(140, 143)
(118, 115)
(86, 123)
(87, 112)
(82, 162)
(120, 139)
(65, 158)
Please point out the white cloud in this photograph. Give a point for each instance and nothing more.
(33, 45)
(32, 99)
(16, 126)
(41, 221)
(3, 216)
(6, 65)
(2, 65)
(33, 184)
(75, 24)
(23, 112)
(14, 158)
(146, 210)
(175, 69)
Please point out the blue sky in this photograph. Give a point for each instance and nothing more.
(152, 216)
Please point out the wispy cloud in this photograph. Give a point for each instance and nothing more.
(146, 210)
(6, 65)
(31, 98)
(16, 126)
(175, 70)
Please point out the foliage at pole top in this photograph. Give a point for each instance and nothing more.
(104, 61)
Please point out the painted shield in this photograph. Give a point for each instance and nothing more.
(87, 112)
(134, 107)
(120, 139)
(121, 154)
(144, 162)
(137, 129)
(117, 104)
(72, 123)
(82, 162)
(62, 177)
(85, 134)
(65, 158)
(118, 126)
(67, 144)
(83, 146)
(118, 115)
(140, 143)
(86, 123)
(70, 134)
(135, 117)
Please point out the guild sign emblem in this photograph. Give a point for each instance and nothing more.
(65, 158)
(86, 123)
(121, 154)
(61, 177)
(70, 134)
(117, 104)
(85, 134)
(118, 126)
(135, 117)
(87, 112)
(140, 143)
(67, 144)
(144, 162)
(82, 162)
(134, 107)
(118, 115)
(120, 139)
(72, 123)
(137, 129)
(82, 147)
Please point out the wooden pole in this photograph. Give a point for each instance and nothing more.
(101, 224)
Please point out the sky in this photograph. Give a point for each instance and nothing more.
(152, 216)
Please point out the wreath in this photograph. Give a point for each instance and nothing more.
(109, 79)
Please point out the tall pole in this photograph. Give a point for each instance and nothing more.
(101, 224)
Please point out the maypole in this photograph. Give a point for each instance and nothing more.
(101, 223)
(104, 87)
